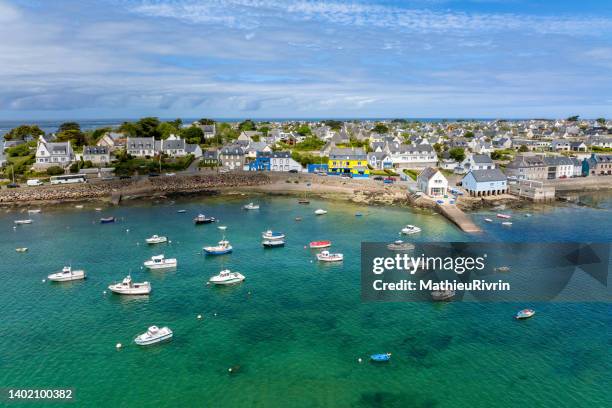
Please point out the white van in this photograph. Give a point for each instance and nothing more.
(34, 182)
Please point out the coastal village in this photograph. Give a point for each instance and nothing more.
(437, 161)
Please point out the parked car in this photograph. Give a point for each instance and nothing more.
(12, 185)
(125, 177)
(293, 171)
(378, 178)
(34, 182)
(153, 175)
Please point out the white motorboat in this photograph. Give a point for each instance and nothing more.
(23, 222)
(36, 211)
(400, 245)
(227, 277)
(273, 243)
(160, 262)
(442, 295)
(79, 206)
(224, 247)
(24, 249)
(326, 256)
(153, 335)
(272, 235)
(127, 287)
(410, 229)
(320, 211)
(488, 220)
(222, 227)
(251, 206)
(67, 274)
(156, 239)
(506, 224)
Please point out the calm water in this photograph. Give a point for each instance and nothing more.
(295, 328)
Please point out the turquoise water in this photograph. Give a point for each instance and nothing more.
(295, 328)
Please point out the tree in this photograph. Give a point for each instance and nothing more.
(303, 130)
(380, 129)
(333, 124)
(192, 134)
(205, 121)
(18, 151)
(166, 129)
(469, 134)
(438, 148)
(97, 134)
(523, 149)
(601, 121)
(457, 154)
(23, 131)
(68, 126)
(573, 118)
(74, 136)
(264, 130)
(148, 127)
(128, 128)
(54, 171)
(247, 125)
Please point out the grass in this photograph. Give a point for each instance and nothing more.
(411, 173)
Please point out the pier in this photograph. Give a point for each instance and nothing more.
(459, 218)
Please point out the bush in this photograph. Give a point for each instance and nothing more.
(55, 171)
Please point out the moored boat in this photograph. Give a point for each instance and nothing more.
(400, 245)
(223, 247)
(506, 224)
(326, 256)
(488, 220)
(524, 314)
(154, 335)
(381, 357)
(181, 211)
(202, 219)
(319, 244)
(272, 235)
(107, 220)
(67, 274)
(410, 229)
(156, 239)
(303, 201)
(36, 211)
(273, 243)
(442, 295)
(227, 277)
(23, 222)
(160, 262)
(127, 287)
(24, 249)
(320, 211)
(251, 206)
(504, 216)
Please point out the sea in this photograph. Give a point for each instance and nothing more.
(294, 331)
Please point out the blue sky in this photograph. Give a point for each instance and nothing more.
(274, 58)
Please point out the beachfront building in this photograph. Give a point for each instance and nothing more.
(480, 183)
(210, 158)
(232, 157)
(98, 155)
(477, 162)
(282, 161)
(412, 157)
(53, 154)
(141, 146)
(527, 168)
(432, 182)
(558, 167)
(597, 165)
(112, 140)
(352, 162)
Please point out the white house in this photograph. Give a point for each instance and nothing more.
(141, 146)
(53, 154)
(282, 161)
(96, 154)
(478, 162)
(112, 140)
(559, 167)
(432, 182)
(480, 183)
(409, 156)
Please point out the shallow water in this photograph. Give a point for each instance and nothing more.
(293, 331)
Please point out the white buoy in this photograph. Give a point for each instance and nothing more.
(215, 313)
(359, 359)
(127, 230)
(104, 293)
(44, 280)
(118, 346)
(199, 316)
(229, 369)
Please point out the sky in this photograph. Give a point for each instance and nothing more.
(88, 59)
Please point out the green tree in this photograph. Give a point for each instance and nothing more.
(76, 137)
(380, 129)
(97, 134)
(264, 130)
(457, 154)
(148, 127)
(18, 151)
(247, 125)
(23, 131)
(55, 171)
(333, 124)
(469, 134)
(166, 129)
(192, 134)
(523, 149)
(205, 121)
(68, 126)
(303, 130)
(129, 128)
(601, 121)
(573, 118)
(438, 147)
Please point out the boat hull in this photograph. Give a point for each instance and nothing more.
(155, 267)
(217, 251)
(273, 244)
(143, 290)
(148, 342)
(320, 244)
(73, 277)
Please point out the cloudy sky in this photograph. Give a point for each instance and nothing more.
(274, 58)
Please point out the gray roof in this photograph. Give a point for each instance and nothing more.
(191, 148)
(346, 153)
(95, 150)
(177, 144)
(210, 154)
(488, 175)
(140, 143)
(526, 161)
(427, 173)
(558, 161)
(233, 150)
(481, 158)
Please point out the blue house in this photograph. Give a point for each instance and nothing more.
(317, 168)
(261, 162)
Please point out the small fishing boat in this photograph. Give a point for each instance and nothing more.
(442, 295)
(273, 243)
(153, 335)
(488, 220)
(272, 235)
(326, 256)
(527, 215)
(156, 239)
(181, 211)
(502, 269)
(24, 249)
(23, 222)
(160, 262)
(37, 211)
(107, 220)
(127, 287)
(303, 201)
(222, 227)
(400, 245)
(319, 244)
(298, 218)
(381, 357)
(506, 224)
(227, 277)
(320, 211)
(202, 219)
(524, 314)
(98, 209)
(79, 206)
(504, 216)
(358, 214)
(251, 206)
(67, 274)
(224, 247)
(410, 229)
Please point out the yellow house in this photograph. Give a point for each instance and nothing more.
(348, 161)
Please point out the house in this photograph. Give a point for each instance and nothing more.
(53, 154)
(597, 165)
(112, 140)
(141, 146)
(193, 149)
(251, 150)
(282, 161)
(478, 162)
(3, 160)
(11, 143)
(261, 162)
(558, 167)
(232, 157)
(247, 136)
(578, 146)
(480, 183)
(98, 155)
(209, 131)
(411, 157)
(560, 145)
(502, 143)
(210, 158)
(380, 160)
(348, 161)
(527, 168)
(432, 182)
